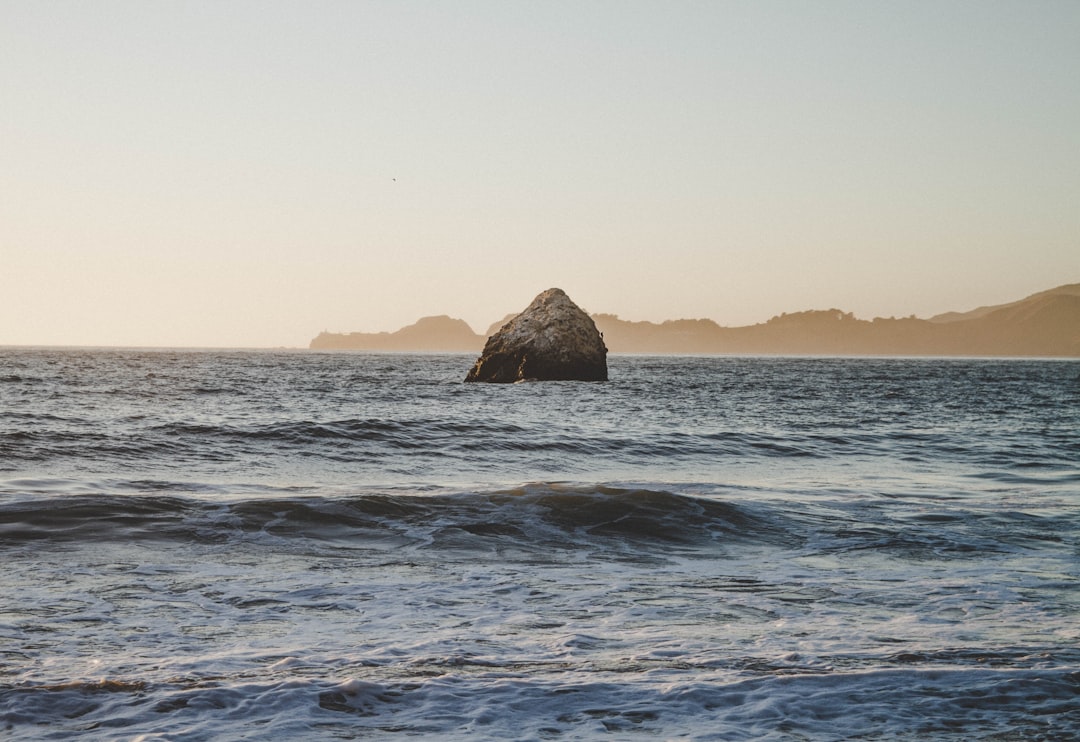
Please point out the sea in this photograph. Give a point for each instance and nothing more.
(283, 545)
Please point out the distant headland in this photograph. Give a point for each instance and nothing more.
(1046, 324)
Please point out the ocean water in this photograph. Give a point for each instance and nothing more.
(264, 545)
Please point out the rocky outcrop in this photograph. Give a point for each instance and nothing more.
(553, 339)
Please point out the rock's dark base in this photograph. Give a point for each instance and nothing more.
(509, 367)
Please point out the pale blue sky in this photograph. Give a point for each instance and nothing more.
(251, 173)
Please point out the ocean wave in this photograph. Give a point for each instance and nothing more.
(529, 519)
(558, 701)
(416, 444)
(533, 516)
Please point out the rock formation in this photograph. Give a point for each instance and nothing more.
(553, 339)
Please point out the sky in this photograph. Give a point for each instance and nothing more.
(249, 174)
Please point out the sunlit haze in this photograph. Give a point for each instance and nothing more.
(252, 173)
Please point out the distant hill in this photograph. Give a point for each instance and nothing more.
(1071, 289)
(441, 333)
(1044, 324)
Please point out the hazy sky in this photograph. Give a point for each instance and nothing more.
(251, 173)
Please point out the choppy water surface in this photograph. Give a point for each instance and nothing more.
(212, 545)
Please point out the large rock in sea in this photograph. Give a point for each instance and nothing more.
(552, 340)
